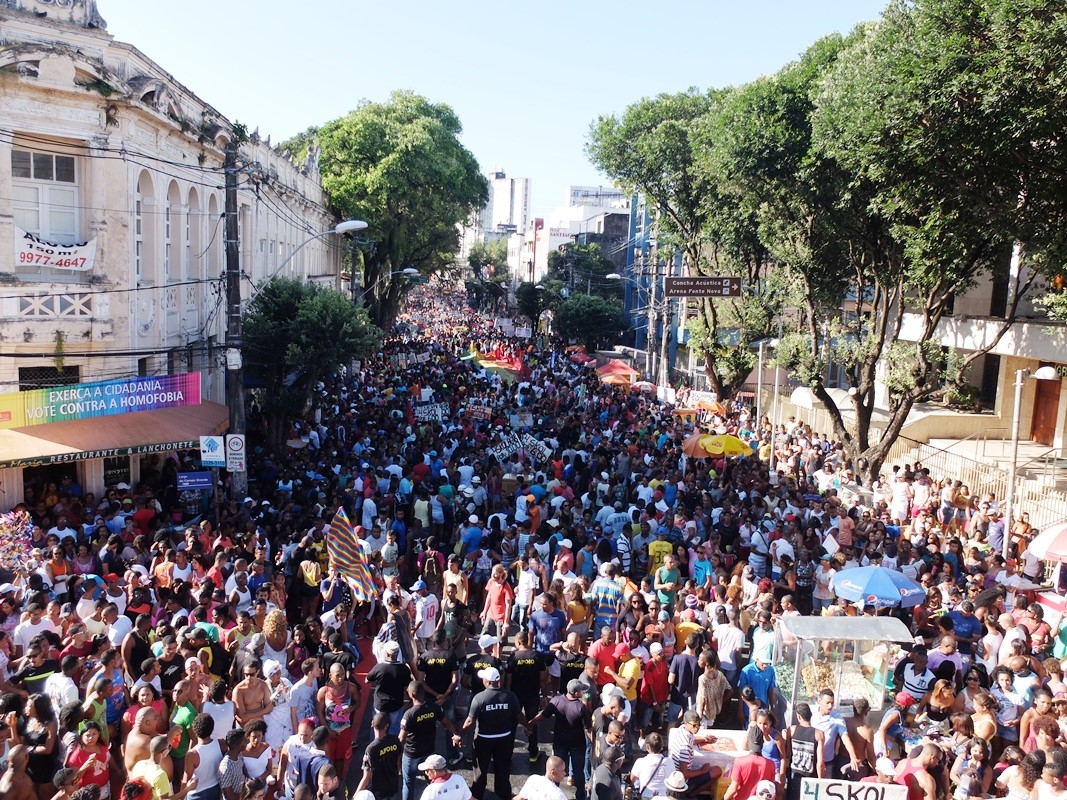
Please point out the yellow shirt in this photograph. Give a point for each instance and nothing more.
(656, 551)
(154, 775)
(683, 629)
(631, 668)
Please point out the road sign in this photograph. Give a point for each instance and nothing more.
(193, 480)
(212, 451)
(702, 286)
(235, 453)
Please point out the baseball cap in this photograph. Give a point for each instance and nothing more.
(885, 766)
(621, 650)
(418, 586)
(486, 640)
(392, 647)
(111, 577)
(491, 674)
(574, 686)
(655, 647)
(434, 762)
(472, 518)
(766, 789)
(567, 543)
(664, 616)
(7, 588)
(613, 753)
(905, 699)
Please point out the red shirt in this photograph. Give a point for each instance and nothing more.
(749, 770)
(654, 685)
(605, 658)
(498, 596)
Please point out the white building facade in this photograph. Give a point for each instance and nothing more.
(106, 156)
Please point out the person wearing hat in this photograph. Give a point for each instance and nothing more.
(443, 784)
(885, 772)
(748, 771)
(889, 731)
(390, 679)
(822, 595)
(495, 714)
(606, 783)
(427, 612)
(571, 731)
(676, 785)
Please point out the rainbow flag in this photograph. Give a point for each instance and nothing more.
(346, 553)
(510, 368)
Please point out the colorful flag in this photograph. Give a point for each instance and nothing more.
(346, 553)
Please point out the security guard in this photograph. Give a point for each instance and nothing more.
(497, 712)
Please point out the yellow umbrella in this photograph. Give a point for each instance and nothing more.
(725, 445)
(693, 448)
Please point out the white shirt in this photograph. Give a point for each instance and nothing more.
(61, 690)
(451, 788)
(117, 632)
(25, 631)
(538, 787)
(426, 608)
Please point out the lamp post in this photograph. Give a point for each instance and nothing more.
(1041, 374)
(348, 226)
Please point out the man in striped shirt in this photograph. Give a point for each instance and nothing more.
(607, 598)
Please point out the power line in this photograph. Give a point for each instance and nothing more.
(121, 152)
(74, 290)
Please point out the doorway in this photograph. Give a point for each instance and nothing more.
(1046, 412)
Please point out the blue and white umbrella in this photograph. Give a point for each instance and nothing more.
(877, 586)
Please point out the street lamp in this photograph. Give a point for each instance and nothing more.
(347, 226)
(407, 272)
(1041, 374)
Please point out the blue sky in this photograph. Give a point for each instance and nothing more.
(525, 78)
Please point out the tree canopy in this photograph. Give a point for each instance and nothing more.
(293, 334)
(863, 188)
(590, 320)
(400, 166)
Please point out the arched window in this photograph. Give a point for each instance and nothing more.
(214, 236)
(193, 223)
(144, 233)
(172, 232)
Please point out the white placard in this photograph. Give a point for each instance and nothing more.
(32, 251)
(212, 451)
(235, 453)
(821, 789)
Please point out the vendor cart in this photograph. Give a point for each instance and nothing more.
(851, 655)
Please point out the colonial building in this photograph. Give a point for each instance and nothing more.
(112, 247)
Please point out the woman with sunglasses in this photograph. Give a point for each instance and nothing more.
(973, 686)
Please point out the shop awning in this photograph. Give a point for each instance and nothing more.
(136, 433)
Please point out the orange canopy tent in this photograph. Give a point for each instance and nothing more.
(617, 367)
(615, 380)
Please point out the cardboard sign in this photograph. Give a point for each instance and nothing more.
(820, 789)
(507, 446)
(536, 449)
(431, 412)
(522, 419)
(480, 412)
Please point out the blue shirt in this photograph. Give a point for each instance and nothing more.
(761, 681)
(964, 626)
(548, 628)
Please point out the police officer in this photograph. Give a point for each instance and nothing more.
(497, 712)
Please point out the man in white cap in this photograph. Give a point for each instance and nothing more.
(497, 713)
(444, 785)
(427, 610)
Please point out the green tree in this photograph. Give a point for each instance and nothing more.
(401, 167)
(488, 262)
(531, 301)
(584, 268)
(293, 328)
(658, 147)
(591, 320)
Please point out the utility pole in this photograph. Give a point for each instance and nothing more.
(235, 395)
(355, 285)
(650, 330)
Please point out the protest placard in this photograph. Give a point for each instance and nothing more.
(536, 449)
(480, 412)
(431, 411)
(822, 789)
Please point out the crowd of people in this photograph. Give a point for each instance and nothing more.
(597, 597)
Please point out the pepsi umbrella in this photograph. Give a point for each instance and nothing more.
(877, 586)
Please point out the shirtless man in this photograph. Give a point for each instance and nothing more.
(862, 737)
(251, 696)
(137, 746)
(15, 784)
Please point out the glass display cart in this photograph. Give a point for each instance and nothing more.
(851, 655)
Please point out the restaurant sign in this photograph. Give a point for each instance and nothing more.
(101, 399)
(111, 452)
